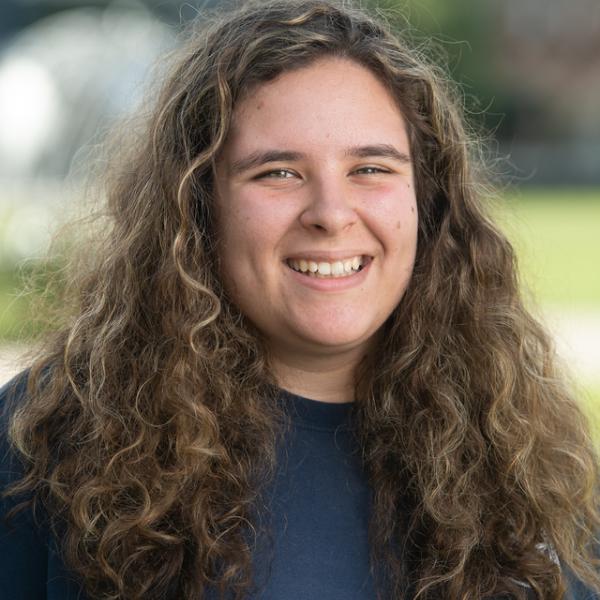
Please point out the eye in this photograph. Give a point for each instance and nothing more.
(370, 171)
(276, 174)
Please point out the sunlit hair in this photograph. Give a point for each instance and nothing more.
(152, 419)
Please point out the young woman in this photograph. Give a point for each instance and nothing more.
(297, 364)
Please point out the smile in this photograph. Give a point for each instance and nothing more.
(324, 269)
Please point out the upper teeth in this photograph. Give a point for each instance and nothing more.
(337, 268)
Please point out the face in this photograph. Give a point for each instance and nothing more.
(316, 209)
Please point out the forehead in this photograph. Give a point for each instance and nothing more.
(331, 101)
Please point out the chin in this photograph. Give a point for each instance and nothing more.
(330, 344)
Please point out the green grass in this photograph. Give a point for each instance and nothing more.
(20, 293)
(556, 234)
(557, 237)
(15, 323)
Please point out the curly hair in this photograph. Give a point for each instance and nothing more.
(151, 419)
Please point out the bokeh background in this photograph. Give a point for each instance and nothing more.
(529, 72)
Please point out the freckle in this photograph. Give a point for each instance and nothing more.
(398, 224)
(259, 105)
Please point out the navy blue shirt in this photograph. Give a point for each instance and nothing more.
(319, 502)
(319, 511)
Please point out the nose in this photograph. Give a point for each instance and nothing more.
(330, 208)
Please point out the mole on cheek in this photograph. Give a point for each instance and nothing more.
(398, 224)
(412, 209)
(259, 105)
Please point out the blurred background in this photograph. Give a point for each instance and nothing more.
(529, 71)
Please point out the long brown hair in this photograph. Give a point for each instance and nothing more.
(151, 421)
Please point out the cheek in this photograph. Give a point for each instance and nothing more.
(251, 231)
(265, 215)
(394, 213)
(240, 224)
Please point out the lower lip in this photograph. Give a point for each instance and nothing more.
(330, 284)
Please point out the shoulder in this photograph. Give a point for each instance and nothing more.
(12, 395)
(12, 463)
(23, 544)
(576, 589)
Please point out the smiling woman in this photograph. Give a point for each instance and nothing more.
(316, 177)
(297, 364)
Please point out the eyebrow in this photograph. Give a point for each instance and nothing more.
(258, 158)
(381, 150)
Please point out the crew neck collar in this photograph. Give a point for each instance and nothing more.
(315, 413)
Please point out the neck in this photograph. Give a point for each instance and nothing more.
(323, 378)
